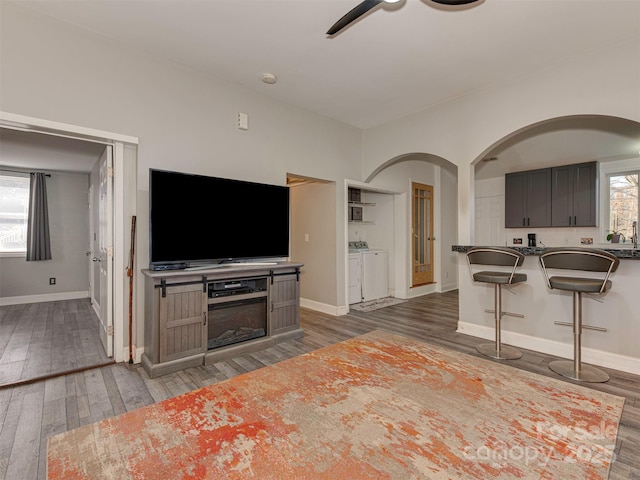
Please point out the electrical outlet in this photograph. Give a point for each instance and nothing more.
(243, 121)
(52, 280)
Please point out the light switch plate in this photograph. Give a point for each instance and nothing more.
(243, 121)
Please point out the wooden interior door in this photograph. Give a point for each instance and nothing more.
(422, 233)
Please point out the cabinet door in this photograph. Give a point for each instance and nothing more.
(585, 194)
(528, 199)
(375, 275)
(183, 313)
(284, 296)
(538, 200)
(574, 195)
(562, 196)
(515, 200)
(355, 280)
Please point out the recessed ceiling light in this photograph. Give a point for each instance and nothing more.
(269, 78)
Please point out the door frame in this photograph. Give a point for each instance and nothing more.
(428, 231)
(120, 226)
(397, 251)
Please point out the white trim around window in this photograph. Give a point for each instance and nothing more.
(608, 169)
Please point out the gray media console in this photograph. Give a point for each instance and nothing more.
(206, 315)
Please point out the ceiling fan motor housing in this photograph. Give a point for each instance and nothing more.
(366, 5)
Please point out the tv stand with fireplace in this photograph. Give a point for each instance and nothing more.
(205, 316)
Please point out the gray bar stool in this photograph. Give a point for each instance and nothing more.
(588, 260)
(504, 257)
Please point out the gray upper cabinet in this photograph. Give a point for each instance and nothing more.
(528, 199)
(574, 195)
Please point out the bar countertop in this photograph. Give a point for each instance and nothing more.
(621, 253)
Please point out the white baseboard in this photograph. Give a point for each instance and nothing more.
(447, 287)
(49, 297)
(137, 354)
(324, 307)
(422, 290)
(551, 347)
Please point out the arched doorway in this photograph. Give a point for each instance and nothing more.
(611, 141)
(398, 174)
(614, 144)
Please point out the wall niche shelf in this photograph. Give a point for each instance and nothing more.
(356, 206)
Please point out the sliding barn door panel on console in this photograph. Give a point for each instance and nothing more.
(183, 312)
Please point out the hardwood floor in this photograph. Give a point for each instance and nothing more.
(41, 339)
(31, 413)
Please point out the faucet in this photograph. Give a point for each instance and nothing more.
(634, 236)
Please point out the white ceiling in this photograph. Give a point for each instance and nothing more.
(394, 61)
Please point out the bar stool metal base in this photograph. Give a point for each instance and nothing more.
(587, 373)
(505, 353)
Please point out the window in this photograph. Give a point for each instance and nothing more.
(623, 202)
(14, 210)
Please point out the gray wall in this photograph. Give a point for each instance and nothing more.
(313, 208)
(183, 119)
(69, 224)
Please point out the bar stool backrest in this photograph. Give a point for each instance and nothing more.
(576, 258)
(506, 257)
(501, 256)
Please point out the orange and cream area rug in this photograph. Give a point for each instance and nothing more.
(379, 406)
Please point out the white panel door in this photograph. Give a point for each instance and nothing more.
(105, 245)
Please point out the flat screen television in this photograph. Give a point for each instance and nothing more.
(198, 220)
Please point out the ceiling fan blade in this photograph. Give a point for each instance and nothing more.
(454, 2)
(353, 15)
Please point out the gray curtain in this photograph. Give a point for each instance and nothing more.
(38, 240)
